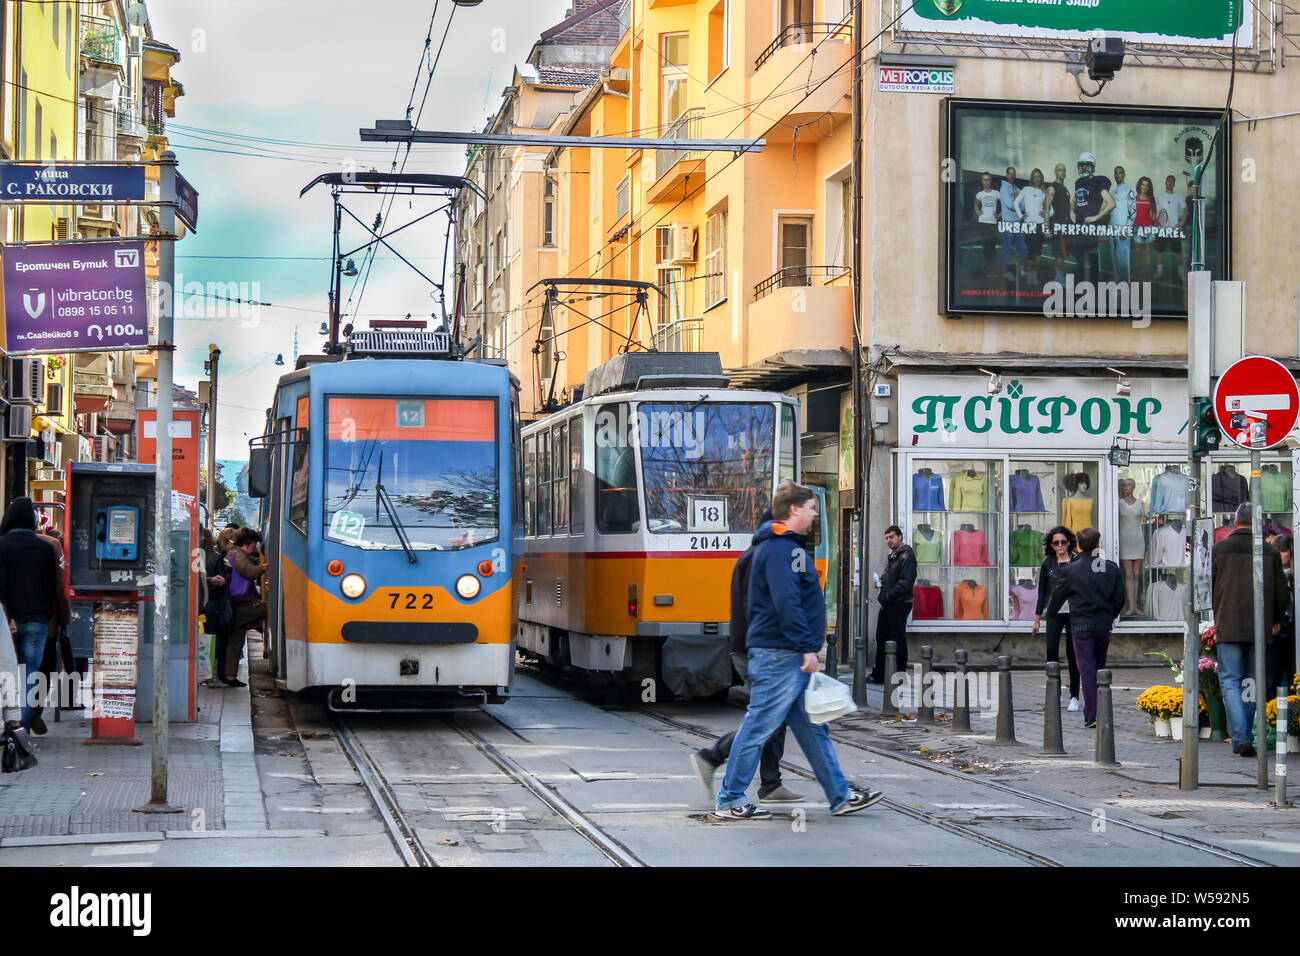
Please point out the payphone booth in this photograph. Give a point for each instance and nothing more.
(110, 517)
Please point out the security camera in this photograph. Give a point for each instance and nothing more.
(1123, 387)
(995, 384)
(1104, 57)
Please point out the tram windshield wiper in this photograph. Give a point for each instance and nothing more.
(381, 497)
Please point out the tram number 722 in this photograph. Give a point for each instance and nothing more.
(411, 599)
(702, 542)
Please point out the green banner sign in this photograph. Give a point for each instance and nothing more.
(1204, 20)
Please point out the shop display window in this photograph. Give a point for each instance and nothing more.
(1153, 546)
(1043, 495)
(1229, 483)
(957, 535)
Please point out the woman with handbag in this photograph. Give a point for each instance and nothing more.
(216, 605)
(247, 608)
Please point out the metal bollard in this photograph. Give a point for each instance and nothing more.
(925, 714)
(1279, 771)
(1006, 715)
(1053, 742)
(961, 708)
(889, 707)
(1105, 723)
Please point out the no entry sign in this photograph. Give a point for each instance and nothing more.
(1256, 402)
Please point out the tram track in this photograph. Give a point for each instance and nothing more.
(403, 833)
(1184, 841)
(405, 840)
(1001, 846)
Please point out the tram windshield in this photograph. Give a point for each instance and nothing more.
(435, 459)
(707, 466)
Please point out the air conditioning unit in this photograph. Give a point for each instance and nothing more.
(683, 242)
(134, 46)
(54, 399)
(25, 385)
(63, 228)
(18, 423)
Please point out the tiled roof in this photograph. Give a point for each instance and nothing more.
(575, 76)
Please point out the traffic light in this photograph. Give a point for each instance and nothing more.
(1206, 438)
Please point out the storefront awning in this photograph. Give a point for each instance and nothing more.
(1037, 364)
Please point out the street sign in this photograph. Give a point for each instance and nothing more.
(75, 296)
(1256, 402)
(51, 182)
(187, 202)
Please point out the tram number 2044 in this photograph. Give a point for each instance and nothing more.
(409, 601)
(704, 542)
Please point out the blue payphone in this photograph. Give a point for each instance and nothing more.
(117, 533)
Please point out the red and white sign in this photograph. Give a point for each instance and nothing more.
(1257, 402)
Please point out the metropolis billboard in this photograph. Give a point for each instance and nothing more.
(1058, 210)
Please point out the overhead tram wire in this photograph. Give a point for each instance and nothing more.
(368, 260)
(392, 198)
(860, 48)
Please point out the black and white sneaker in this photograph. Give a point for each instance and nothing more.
(858, 800)
(747, 812)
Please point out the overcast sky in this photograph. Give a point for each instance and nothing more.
(264, 77)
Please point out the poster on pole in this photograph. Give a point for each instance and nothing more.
(75, 297)
(1202, 552)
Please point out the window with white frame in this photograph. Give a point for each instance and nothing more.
(715, 258)
(669, 278)
(548, 211)
(674, 63)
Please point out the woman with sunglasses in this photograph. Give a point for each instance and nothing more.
(1060, 548)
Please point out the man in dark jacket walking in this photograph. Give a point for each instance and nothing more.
(895, 602)
(1095, 589)
(29, 581)
(1232, 572)
(786, 629)
(708, 760)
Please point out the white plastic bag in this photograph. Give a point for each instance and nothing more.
(826, 698)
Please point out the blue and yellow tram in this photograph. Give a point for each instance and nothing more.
(389, 515)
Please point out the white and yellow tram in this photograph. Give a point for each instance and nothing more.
(638, 499)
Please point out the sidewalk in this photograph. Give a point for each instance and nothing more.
(79, 792)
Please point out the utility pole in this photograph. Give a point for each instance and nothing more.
(214, 358)
(162, 564)
(860, 411)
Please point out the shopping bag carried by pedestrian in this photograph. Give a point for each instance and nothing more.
(826, 698)
(15, 754)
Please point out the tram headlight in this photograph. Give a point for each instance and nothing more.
(353, 586)
(467, 586)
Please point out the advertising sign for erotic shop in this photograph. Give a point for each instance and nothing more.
(76, 296)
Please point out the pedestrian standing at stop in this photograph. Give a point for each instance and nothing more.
(29, 582)
(707, 761)
(1094, 587)
(895, 598)
(1232, 573)
(787, 627)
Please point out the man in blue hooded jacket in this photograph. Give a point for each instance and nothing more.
(787, 627)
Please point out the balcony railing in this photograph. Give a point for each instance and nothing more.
(683, 335)
(792, 276)
(100, 39)
(796, 33)
(128, 117)
(623, 197)
(686, 126)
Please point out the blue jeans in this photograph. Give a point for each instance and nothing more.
(1007, 239)
(776, 696)
(1119, 254)
(31, 651)
(1237, 663)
